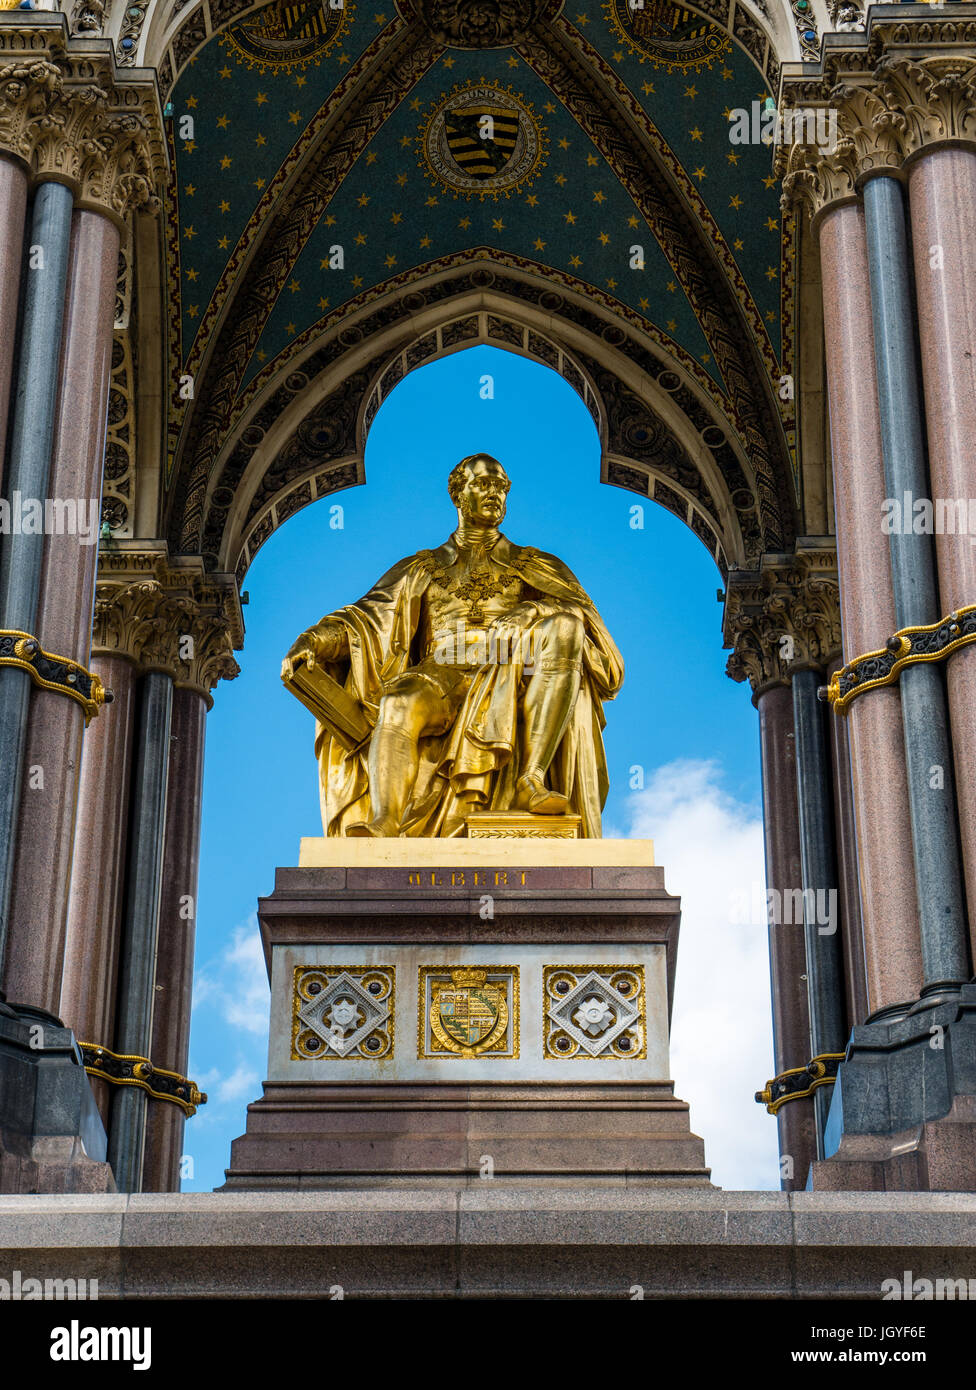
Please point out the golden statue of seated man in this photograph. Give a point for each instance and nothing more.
(481, 668)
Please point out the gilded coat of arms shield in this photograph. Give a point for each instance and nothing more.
(469, 1014)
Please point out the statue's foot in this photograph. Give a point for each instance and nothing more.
(375, 829)
(532, 794)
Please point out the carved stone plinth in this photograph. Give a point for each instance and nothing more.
(467, 1010)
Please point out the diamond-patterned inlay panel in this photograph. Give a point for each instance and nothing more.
(343, 1012)
(594, 1011)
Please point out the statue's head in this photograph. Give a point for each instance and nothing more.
(478, 487)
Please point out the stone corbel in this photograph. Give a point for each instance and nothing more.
(168, 616)
(783, 617)
(66, 113)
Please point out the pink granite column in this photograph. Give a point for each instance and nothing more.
(177, 922)
(892, 949)
(942, 199)
(13, 210)
(849, 888)
(45, 827)
(98, 872)
(787, 948)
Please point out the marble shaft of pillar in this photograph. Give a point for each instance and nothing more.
(13, 213)
(825, 971)
(177, 921)
(879, 790)
(137, 966)
(942, 202)
(852, 935)
(787, 947)
(28, 470)
(55, 726)
(95, 903)
(944, 934)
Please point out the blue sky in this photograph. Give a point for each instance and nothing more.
(692, 731)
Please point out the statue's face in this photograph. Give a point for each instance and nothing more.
(483, 496)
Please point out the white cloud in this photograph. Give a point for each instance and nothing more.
(236, 983)
(711, 847)
(242, 1084)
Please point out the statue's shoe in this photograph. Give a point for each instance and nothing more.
(374, 829)
(532, 794)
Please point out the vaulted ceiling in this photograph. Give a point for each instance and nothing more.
(336, 156)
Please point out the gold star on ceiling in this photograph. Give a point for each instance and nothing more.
(611, 284)
(531, 201)
(262, 356)
(300, 81)
(771, 272)
(771, 181)
(402, 180)
(699, 173)
(592, 160)
(290, 329)
(225, 71)
(560, 179)
(323, 303)
(260, 99)
(726, 74)
(223, 243)
(497, 225)
(192, 312)
(390, 261)
(599, 197)
(424, 243)
(603, 237)
(226, 162)
(294, 117)
(540, 245)
(464, 223)
(224, 205)
(648, 89)
(357, 281)
(738, 244)
(191, 102)
(189, 190)
(259, 184)
(189, 233)
(360, 238)
(294, 286)
(671, 287)
(575, 262)
(691, 91)
(192, 274)
(695, 133)
(396, 218)
(260, 140)
(735, 202)
(363, 199)
(732, 157)
(771, 224)
(431, 201)
(672, 325)
(633, 221)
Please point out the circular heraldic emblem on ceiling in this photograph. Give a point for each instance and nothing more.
(284, 37)
(665, 34)
(482, 141)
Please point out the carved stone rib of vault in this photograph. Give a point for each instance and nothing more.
(783, 617)
(594, 96)
(65, 115)
(890, 106)
(167, 616)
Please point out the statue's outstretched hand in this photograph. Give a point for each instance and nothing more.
(311, 647)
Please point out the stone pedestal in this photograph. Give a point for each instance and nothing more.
(51, 1135)
(452, 1009)
(903, 1110)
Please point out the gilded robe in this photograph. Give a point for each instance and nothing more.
(474, 765)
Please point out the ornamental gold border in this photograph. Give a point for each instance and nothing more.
(286, 66)
(636, 45)
(451, 99)
(840, 704)
(90, 704)
(423, 1008)
(816, 1068)
(548, 1026)
(298, 1026)
(142, 1070)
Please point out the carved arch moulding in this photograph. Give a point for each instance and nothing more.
(665, 430)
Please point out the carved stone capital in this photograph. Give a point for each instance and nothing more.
(168, 616)
(478, 23)
(887, 103)
(783, 617)
(69, 115)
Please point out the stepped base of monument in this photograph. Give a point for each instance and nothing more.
(329, 1135)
